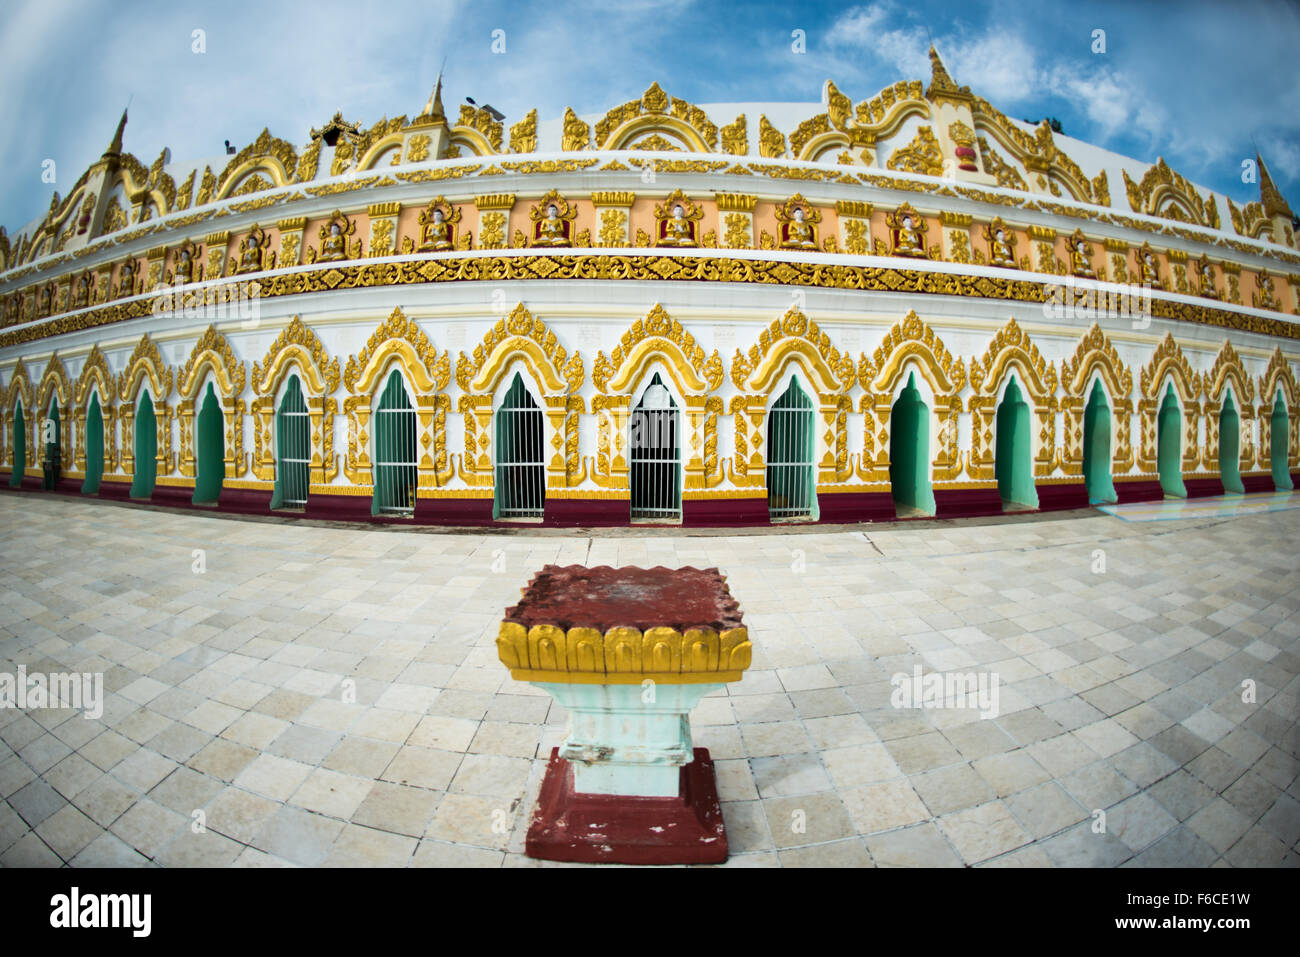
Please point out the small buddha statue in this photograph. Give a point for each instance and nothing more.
(44, 307)
(552, 231)
(798, 234)
(1207, 282)
(184, 267)
(1150, 271)
(1080, 262)
(1001, 250)
(334, 246)
(437, 234)
(679, 231)
(82, 296)
(126, 279)
(251, 258)
(909, 239)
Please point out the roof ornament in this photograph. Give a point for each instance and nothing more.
(335, 128)
(115, 147)
(941, 83)
(1269, 195)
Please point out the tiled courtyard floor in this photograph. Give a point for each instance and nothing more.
(1121, 690)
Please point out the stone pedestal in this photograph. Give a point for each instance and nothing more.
(628, 652)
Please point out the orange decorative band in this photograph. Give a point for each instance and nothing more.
(645, 268)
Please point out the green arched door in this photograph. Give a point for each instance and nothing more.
(1169, 445)
(94, 447)
(51, 447)
(145, 450)
(1230, 446)
(20, 446)
(1280, 434)
(1096, 448)
(1012, 457)
(909, 453)
(210, 450)
(292, 448)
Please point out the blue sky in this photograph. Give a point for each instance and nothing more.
(1199, 83)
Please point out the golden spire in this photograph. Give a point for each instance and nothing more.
(115, 147)
(433, 109)
(941, 84)
(1274, 203)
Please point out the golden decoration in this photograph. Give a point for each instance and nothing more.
(771, 143)
(623, 655)
(735, 139)
(576, 135)
(523, 135)
(922, 155)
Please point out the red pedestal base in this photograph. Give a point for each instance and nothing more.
(617, 829)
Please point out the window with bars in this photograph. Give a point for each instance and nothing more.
(655, 453)
(395, 465)
(292, 448)
(520, 471)
(790, 490)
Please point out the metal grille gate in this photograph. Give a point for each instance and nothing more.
(395, 466)
(790, 455)
(656, 455)
(293, 446)
(520, 468)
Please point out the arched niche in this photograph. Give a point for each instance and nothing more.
(1012, 353)
(399, 342)
(657, 340)
(297, 350)
(1228, 376)
(1168, 365)
(1278, 376)
(54, 386)
(910, 350)
(1096, 364)
(146, 369)
(795, 341)
(521, 340)
(95, 380)
(213, 357)
(18, 427)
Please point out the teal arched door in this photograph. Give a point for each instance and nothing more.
(51, 446)
(94, 447)
(145, 450)
(292, 448)
(1013, 455)
(20, 446)
(1280, 434)
(210, 450)
(1096, 448)
(1169, 445)
(909, 453)
(1230, 446)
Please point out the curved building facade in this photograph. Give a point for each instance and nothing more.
(712, 315)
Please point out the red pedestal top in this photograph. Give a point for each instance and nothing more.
(575, 596)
